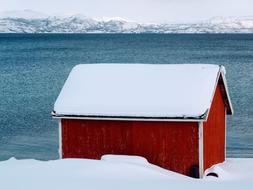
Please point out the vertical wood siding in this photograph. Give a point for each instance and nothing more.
(214, 132)
(171, 145)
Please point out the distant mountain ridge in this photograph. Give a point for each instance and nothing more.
(28, 21)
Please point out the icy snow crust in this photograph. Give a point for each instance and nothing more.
(138, 90)
(79, 174)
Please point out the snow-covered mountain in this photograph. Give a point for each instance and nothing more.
(28, 21)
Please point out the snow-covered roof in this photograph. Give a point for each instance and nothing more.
(141, 91)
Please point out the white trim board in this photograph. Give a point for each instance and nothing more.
(225, 148)
(60, 139)
(201, 150)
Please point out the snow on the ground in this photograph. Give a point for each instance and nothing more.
(233, 169)
(111, 173)
(124, 158)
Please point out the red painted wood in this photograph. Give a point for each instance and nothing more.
(214, 132)
(172, 145)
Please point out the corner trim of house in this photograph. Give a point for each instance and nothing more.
(60, 139)
(201, 152)
(225, 148)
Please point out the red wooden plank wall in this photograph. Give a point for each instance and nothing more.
(171, 145)
(214, 132)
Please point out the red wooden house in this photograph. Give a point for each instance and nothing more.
(173, 115)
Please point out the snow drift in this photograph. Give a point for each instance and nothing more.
(117, 173)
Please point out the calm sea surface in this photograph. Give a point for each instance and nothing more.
(34, 67)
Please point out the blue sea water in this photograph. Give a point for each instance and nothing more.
(34, 67)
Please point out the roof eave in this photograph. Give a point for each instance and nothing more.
(130, 118)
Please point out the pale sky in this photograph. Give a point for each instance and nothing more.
(138, 10)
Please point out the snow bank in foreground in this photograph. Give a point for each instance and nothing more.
(111, 173)
(124, 158)
(233, 169)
